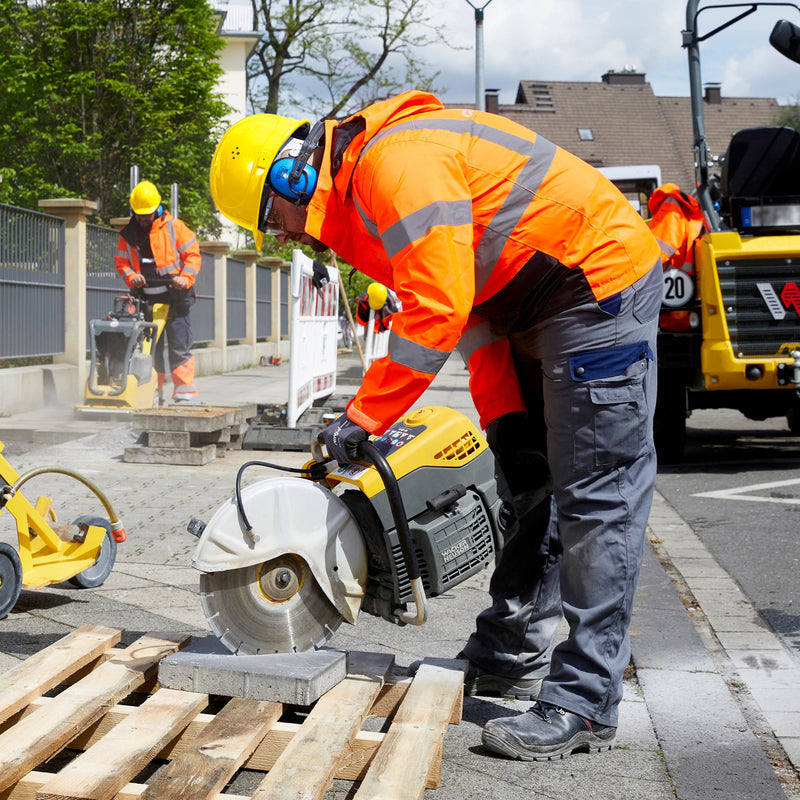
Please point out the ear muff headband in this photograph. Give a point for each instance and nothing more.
(295, 179)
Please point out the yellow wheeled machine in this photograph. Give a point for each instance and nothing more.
(122, 377)
(82, 552)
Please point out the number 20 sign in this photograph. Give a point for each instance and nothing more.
(678, 288)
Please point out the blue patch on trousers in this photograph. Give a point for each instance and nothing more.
(607, 362)
(611, 305)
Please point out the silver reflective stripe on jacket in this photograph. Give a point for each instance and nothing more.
(175, 264)
(416, 356)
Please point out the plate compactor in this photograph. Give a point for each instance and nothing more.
(82, 552)
(287, 559)
(122, 377)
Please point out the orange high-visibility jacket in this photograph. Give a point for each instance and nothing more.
(445, 207)
(174, 245)
(677, 220)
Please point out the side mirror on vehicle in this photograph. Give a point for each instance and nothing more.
(785, 38)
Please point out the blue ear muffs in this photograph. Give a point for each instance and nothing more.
(288, 184)
(295, 179)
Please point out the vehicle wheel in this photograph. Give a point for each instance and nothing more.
(95, 575)
(669, 424)
(10, 578)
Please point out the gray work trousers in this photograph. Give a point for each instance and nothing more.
(580, 553)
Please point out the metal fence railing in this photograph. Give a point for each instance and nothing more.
(284, 283)
(31, 283)
(263, 302)
(236, 317)
(203, 310)
(103, 282)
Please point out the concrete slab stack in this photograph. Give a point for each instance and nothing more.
(188, 435)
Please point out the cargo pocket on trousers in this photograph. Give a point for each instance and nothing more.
(614, 429)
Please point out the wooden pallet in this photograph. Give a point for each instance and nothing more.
(94, 719)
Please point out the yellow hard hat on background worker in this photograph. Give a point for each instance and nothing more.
(376, 296)
(241, 165)
(145, 198)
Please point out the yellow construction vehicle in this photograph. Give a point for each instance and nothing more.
(82, 552)
(729, 334)
(122, 377)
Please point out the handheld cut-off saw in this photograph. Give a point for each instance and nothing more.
(287, 559)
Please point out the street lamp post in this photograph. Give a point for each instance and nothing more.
(480, 93)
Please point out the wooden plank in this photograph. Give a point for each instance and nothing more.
(413, 743)
(203, 771)
(26, 789)
(49, 667)
(307, 766)
(40, 735)
(100, 772)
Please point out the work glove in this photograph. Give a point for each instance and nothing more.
(320, 277)
(342, 438)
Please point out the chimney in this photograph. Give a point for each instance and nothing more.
(713, 94)
(493, 100)
(625, 77)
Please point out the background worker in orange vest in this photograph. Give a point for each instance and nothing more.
(380, 300)
(676, 222)
(540, 271)
(159, 256)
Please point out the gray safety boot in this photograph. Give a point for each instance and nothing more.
(479, 681)
(546, 732)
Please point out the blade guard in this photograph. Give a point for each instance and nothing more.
(291, 515)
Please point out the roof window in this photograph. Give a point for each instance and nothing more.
(585, 134)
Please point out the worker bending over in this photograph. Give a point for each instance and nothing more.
(541, 273)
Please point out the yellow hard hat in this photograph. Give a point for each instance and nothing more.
(241, 163)
(376, 296)
(144, 198)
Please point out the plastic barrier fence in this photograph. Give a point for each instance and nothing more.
(376, 344)
(312, 347)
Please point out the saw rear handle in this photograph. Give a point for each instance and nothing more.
(369, 452)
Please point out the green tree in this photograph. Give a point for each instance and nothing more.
(332, 57)
(92, 87)
(789, 115)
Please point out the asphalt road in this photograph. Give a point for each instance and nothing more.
(738, 488)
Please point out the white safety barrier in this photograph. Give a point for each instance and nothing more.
(312, 348)
(376, 344)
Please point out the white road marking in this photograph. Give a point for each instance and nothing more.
(739, 493)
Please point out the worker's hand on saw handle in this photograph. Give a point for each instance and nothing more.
(342, 438)
(137, 281)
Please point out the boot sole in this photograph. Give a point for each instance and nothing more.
(583, 741)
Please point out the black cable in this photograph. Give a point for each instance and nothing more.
(312, 473)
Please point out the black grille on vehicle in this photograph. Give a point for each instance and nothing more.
(761, 299)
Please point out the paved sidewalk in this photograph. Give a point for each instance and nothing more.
(711, 706)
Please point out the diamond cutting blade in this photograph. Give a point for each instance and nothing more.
(273, 607)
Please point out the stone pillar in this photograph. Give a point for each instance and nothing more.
(74, 212)
(220, 252)
(275, 264)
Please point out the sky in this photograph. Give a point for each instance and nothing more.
(579, 40)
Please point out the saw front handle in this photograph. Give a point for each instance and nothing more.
(369, 452)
